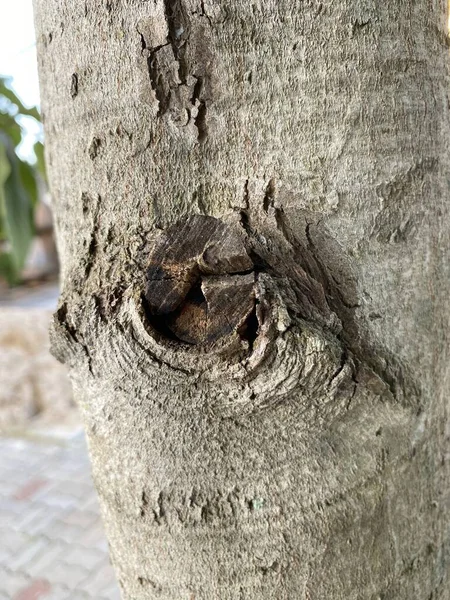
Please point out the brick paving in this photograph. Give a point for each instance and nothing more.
(52, 543)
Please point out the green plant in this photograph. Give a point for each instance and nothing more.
(18, 183)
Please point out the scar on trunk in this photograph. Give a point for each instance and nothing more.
(200, 284)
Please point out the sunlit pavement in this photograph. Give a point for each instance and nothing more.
(52, 543)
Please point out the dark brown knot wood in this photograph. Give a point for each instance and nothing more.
(200, 284)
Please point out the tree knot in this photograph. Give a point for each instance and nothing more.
(200, 284)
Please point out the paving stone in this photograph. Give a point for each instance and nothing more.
(30, 514)
(103, 545)
(16, 445)
(52, 541)
(72, 463)
(8, 504)
(48, 450)
(57, 498)
(94, 537)
(7, 486)
(7, 518)
(27, 553)
(68, 575)
(5, 555)
(36, 589)
(15, 471)
(43, 564)
(13, 540)
(77, 490)
(58, 592)
(88, 558)
(64, 531)
(30, 489)
(99, 581)
(80, 518)
(112, 593)
(44, 519)
(12, 583)
(17, 465)
(51, 486)
(91, 503)
(77, 476)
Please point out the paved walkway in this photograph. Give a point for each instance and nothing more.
(43, 296)
(52, 543)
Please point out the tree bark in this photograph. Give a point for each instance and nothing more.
(302, 453)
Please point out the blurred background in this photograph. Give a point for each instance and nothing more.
(34, 387)
(52, 543)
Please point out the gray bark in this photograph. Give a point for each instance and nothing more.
(312, 463)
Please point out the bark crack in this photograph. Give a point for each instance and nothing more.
(179, 31)
(74, 85)
(177, 70)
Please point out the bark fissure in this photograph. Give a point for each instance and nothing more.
(93, 245)
(74, 85)
(179, 31)
(182, 92)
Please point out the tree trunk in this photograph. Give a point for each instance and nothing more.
(264, 392)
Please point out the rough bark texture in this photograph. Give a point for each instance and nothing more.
(308, 459)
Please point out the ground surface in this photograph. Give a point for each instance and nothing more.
(52, 543)
(35, 390)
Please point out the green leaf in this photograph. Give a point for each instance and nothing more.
(7, 269)
(18, 184)
(11, 128)
(16, 210)
(8, 93)
(28, 180)
(5, 168)
(40, 159)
